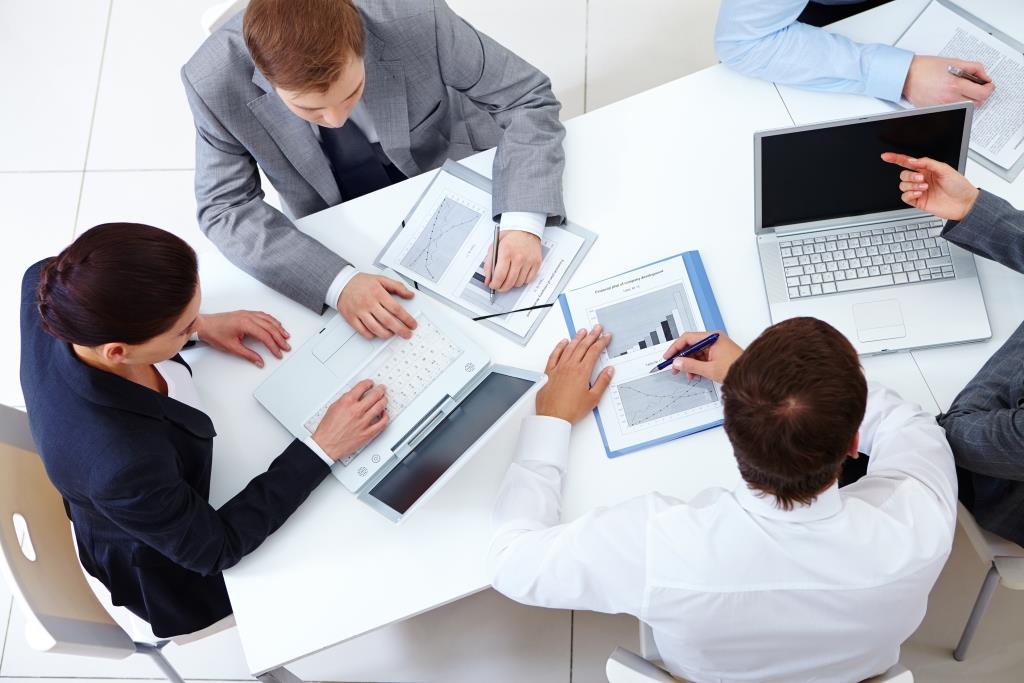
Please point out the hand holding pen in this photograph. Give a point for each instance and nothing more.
(712, 359)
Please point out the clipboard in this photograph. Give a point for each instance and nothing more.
(484, 183)
(1007, 174)
(711, 316)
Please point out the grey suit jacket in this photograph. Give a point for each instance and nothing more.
(435, 87)
(985, 424)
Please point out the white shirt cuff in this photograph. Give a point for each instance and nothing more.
(315, 447)
(340, 280)
(545, 440)
(527, 221)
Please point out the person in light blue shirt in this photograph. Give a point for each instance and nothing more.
(765, 39)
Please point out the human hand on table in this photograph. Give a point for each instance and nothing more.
(568, 394)
(933, 186)
(227, 332)
(353, 420)
(928, 82)
(519, 257)
(713, 362)
(367, 304)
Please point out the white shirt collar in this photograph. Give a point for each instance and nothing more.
(825, 505)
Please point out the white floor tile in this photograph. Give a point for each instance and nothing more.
(594, 637)
(634, 46)
(484, 637)
(164, 199)
(39, 222)
(549, 35)
(51, 52)
(142, 117)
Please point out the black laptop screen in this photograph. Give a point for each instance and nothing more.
(837, 171)
(484, 406)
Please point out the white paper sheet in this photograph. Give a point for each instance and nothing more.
(445, 240)
(645, 310)
(998, 129)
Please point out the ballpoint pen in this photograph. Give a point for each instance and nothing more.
(494, 257)
(696, 348)
(960, 73)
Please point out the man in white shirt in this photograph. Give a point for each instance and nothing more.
(784, 578)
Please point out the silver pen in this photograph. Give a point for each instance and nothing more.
(494, 257)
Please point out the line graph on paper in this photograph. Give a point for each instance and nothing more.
(652, 398)
(440, 241)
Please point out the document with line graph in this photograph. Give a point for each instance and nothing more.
(442, 244)
(644, 310)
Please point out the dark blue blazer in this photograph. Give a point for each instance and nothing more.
(134, 469)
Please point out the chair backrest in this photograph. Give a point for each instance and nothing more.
(218, 15)
(62, 613)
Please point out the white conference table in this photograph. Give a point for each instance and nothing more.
(662, 172)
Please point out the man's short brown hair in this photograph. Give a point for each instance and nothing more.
(302, 45)
(793, 404)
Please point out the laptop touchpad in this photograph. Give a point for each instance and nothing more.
(878, 320)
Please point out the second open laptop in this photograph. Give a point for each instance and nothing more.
(836, 242)
(444, 398)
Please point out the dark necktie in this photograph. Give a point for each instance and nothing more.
(356, 166)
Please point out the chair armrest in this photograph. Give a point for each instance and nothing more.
(627, 667)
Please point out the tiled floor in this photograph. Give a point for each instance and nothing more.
(98, 130)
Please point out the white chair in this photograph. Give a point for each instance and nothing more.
(1006, 567)
(62, 613)
(624, 666)
(218, 15)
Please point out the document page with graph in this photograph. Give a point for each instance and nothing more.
(444, 241)
(644, 310)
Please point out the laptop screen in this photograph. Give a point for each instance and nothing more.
(418, 471)
(836, 171)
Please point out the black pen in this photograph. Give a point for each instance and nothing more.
(494, 257)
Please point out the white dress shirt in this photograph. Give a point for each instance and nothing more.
(735, 588)
(527, 221)
(181, 387)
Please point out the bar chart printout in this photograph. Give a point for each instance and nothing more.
(643, 310)
(646, 321)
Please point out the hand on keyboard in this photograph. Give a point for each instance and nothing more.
(353, 420)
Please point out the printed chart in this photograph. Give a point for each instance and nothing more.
(646, 321)
(653, 397)
(437, 246)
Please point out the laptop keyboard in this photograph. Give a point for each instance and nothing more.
(405, 367)
(862, 259)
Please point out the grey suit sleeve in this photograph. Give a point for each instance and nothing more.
(529, 161)
(992, 229)
(254, 236)
(985, 424)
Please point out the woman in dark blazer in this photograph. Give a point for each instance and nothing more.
(118, 423)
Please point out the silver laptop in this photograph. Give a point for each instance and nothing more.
(445, 398)
(837, 243)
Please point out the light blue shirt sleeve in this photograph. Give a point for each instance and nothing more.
(763, 39)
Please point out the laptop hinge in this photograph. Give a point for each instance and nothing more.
(797, 230)
(422, 429)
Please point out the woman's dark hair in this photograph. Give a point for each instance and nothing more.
(118, 282)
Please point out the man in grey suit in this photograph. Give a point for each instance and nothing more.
(336, 98)
(985, 424)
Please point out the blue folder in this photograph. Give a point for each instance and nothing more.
(712, 320)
